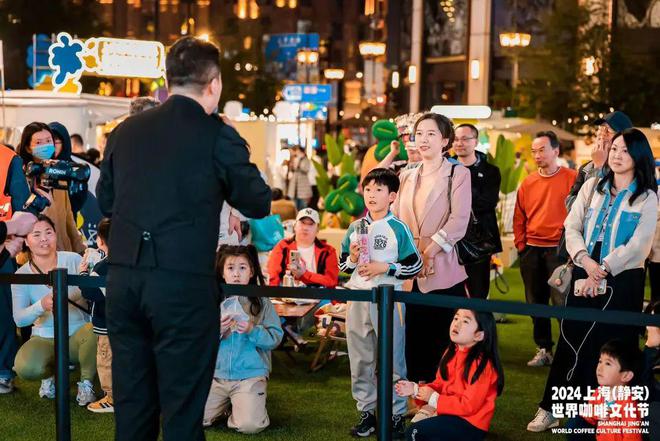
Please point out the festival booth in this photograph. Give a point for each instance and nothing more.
(83, 113)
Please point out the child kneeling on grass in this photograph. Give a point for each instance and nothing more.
(460, 403)
(249, 330)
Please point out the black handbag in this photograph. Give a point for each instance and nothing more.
(478, 243)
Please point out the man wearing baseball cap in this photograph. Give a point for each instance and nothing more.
(308, 259)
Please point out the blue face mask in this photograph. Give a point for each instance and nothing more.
(43, 151)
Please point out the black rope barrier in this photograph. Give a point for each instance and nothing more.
(384, 296)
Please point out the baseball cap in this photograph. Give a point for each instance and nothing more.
(310, 213)
(618, 120)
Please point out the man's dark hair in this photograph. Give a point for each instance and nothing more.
(382, 176)
(103, 229)
(628, 356)
(77, 138)
(192, 62)
(277, 194)
(473, 129)
(552, 136)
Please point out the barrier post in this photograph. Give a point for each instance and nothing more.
(385, 300)
(58, 280)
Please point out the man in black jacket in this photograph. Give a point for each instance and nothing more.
(164, 178)
(485, 180)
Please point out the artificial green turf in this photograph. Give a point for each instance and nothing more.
(309, 406)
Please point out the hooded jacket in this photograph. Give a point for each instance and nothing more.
(77, 198)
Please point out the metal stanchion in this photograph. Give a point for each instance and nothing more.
(58, 280)
(385, 370)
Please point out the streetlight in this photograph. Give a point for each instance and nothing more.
(371, 51)
(334, 76)
(514, 41)
(372, 48)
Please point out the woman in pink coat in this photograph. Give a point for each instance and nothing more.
(437, 221)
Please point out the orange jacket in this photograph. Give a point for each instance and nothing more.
(475, 402)
(327, 267)
(540, 208)
(6, 155)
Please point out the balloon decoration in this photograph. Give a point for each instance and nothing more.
(345, 197)
(385, 132)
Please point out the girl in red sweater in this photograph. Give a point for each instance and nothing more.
(469, 378)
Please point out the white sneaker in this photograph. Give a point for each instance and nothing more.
(85, 393)
(47, 388)
(542, 358)
(543, 420)
(6, 385)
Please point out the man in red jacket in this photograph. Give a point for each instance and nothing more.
(314, 263)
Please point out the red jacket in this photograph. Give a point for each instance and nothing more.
(327, 266)
(475, 403)
(618, 426)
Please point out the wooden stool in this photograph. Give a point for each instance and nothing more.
(321, 359)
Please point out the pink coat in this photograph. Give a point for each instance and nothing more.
(435, 221)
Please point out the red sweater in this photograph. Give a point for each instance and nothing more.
(617, 425)
(540, 208)
(475, 403)
(327, 266)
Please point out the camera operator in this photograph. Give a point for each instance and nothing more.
(62, 142)
(13, 225)
(38, 145)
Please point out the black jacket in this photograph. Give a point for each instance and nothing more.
(164, 178)
(77, 198)
(97, 298)
(486, 180)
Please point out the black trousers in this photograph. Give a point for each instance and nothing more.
(8, 341)
(163, 328)
(478, 282)
(444, 428)
(654, 278)
(536, 266)
(569, 369)
(427, 334)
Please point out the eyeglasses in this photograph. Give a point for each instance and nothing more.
(464, 139)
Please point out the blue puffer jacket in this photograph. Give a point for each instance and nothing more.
(243, 356)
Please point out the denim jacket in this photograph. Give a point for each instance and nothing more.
(243, 356)
(628, 230)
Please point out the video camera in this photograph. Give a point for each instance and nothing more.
(61, 175)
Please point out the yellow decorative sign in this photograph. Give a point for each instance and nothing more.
(70, 58)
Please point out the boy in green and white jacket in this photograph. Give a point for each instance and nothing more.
(392, 259)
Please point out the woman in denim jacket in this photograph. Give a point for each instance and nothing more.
(609, 234)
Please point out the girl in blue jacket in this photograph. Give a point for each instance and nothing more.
(249, 329)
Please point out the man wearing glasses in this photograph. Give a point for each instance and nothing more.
(485, 196)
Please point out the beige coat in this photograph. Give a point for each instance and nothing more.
(436, 223)
(68, 236)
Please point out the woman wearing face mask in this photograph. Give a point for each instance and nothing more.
(38, 145)
(437, 220)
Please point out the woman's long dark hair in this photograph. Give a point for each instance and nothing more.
(252, 256)
(481, 353)
(640, 151)
(23, 148)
